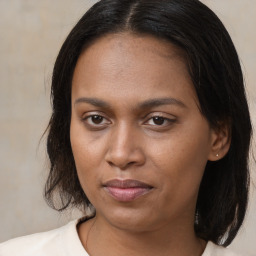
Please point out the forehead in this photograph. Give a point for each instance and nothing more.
(130, 43)
(131, 65)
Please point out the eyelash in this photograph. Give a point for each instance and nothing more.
(85, 119)
(102, 125)
(162, 118)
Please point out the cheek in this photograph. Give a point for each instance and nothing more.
(179, 150)
(181, 158)
(86, 163)
(85, 146)
(86, 154)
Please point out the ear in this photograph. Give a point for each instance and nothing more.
(220, 142)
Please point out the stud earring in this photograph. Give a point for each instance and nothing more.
(217, 154)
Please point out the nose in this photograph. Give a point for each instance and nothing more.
(125, 148)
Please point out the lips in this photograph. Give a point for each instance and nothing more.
(126, 190)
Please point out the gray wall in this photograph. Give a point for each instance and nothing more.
(31, 33)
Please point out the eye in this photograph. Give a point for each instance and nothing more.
(96, 121)
(159, 121)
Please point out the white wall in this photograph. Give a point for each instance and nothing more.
(31, 33)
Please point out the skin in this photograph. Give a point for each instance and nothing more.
(126, 141)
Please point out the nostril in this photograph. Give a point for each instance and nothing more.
(127, 165)
(122, 166)
(125, 155)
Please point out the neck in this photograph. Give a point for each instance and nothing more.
(176, 239)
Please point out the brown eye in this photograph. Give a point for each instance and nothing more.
(158, 120)
(96, 119)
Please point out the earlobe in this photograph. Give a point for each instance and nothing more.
(220, 143)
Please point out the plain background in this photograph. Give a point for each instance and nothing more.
(31, 34)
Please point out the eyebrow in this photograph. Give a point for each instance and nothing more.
(93, 101)
(161, 101)
(150, 103)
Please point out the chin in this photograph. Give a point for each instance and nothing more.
(132, 220)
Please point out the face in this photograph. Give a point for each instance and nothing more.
(139, 141)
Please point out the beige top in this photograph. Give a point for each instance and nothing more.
(65, 241)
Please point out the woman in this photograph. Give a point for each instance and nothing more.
(150, 131)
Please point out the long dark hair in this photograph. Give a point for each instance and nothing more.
(217, 77)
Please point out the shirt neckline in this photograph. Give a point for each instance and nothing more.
(72, 244)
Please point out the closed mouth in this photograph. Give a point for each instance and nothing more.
(126, 190)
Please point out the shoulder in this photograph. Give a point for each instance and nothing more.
(45, 243)
(56, 242)
(37, 244)
(216, 250)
